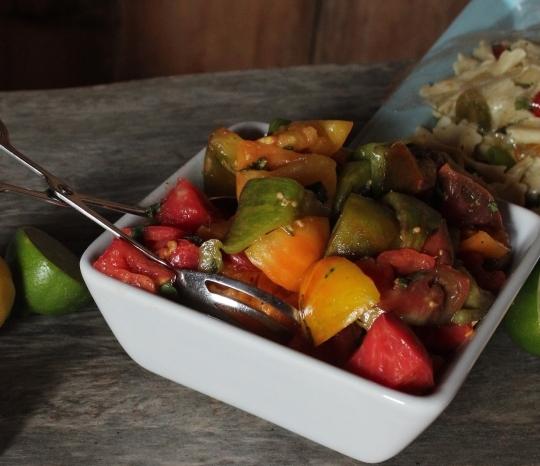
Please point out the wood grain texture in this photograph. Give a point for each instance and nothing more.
(366, 31)
(61, 43)
(71, 396)
(171, 37)
(57, 43)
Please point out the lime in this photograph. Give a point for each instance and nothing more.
(7, 291)
(46, 273)
(523, 318)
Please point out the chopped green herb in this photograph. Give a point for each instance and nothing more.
(493, 207)
(152, 210)
(259, 164)
(332, 270)
(522, 103)
(277, 123)
(168, 289)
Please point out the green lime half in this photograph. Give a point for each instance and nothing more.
(523, 318)
(46, 274)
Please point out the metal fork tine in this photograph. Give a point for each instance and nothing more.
(237, 306)
(193, 280)
(192, 284)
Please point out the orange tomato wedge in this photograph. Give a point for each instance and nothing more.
(307, 170)
(484, 244)
(250, 153)
(286, 253)
(324, 137)
(334, 293)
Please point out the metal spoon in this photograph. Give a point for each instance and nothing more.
(191, 284)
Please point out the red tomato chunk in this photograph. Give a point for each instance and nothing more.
(392, 355)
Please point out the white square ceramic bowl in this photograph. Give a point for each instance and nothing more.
(323, 403)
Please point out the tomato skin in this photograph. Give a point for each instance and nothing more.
(444, 339)
(382, 274)
(185, 207)
(392, 355)
(285, 256)
(185, 255)
(491, 280)
(125, 263)
(406, 261)
(535, 105)
(456, 285)
(334, 293)
(336, 351)
(497, 50)
(439, 245)
(154, 233)
(418, 303)
(466, 203)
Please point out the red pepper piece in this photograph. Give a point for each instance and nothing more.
(382, 274)
(444, 339)
(185, 255)
(392, 355)
(535, 105)
(406, 261)
(125, 263)
(491, 280)
(185, 207)
(498, 49)
(439, 245)
(153, 233)
(419, 302)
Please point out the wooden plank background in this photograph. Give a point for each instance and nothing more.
(60, 43)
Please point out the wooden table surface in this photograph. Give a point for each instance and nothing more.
(70, 395)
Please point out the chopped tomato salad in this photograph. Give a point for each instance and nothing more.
(391, 252)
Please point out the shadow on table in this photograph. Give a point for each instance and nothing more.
(28, 377)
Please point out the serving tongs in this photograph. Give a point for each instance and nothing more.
(213, 294)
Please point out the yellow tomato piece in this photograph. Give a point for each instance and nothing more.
(334, 293)
(286, 253)
(324, 137)
(484, 244)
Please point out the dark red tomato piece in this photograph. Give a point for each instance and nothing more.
(185, 255)
(153, 233)
(338, 349)
(418, 302)
(392, 355)
(123, 262)
(466, 203)
(185, 207)
(444, 339)
(439, 245)
(535, 105)
(491, 280)
(239, 261)
(382, 274)
(456, 285)
(498, 49)
(406, 261)
(239, 267)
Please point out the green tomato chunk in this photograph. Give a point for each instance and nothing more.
(417, 220)
(364, 228)
(264, 205)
